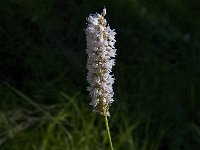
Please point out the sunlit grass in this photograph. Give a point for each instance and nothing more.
(66, 126)
(71, 125)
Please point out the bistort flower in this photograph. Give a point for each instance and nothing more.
(101, 51)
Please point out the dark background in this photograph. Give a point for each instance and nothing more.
(43, 97)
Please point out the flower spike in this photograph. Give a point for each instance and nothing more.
(101, 51)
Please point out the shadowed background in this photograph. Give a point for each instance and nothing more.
(43, 97)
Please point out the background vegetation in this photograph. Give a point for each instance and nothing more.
(43, 98)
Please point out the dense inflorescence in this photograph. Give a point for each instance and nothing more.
(101, 51)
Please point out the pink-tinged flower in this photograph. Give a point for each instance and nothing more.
(101, 51)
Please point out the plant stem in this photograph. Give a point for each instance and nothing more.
(108, 132)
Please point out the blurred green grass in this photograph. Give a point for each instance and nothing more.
(44, 103)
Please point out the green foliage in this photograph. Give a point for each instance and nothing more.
(44, 104)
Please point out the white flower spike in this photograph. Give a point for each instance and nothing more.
(101, 51)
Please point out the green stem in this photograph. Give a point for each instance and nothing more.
(108, 132)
